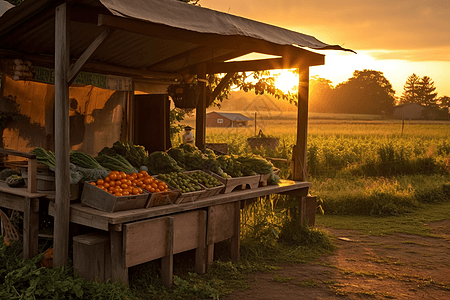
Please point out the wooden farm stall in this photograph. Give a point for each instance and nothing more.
(130, 46)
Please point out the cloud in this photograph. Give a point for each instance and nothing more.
(416, 29)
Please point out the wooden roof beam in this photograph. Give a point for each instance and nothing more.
(75, 68)
(89, 66)
(219, 88)
(262, 64)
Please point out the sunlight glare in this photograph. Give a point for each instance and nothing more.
(286, 80)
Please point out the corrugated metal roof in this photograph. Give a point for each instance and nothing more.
(233, 116)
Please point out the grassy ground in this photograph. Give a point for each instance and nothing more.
(412, 223)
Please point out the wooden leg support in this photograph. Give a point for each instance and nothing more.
(30, 228)
(118, 269)
(235, 239)
(167, 261)
(200, 252)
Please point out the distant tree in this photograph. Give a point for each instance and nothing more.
(428, 97)
(367, 92)
(419, 90)
(444, 102)
(320, 91)
(410, 90)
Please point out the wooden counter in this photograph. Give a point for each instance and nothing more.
(140, 235)
(91, 217)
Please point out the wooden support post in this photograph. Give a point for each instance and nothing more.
(200, 119)
(200, 252)
(236, 238)
(30, 227)
(167, 261)
(299, 152)
(62, 142)
(118, 269)
(32, 170)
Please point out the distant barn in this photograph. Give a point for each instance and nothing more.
(409, 111)
(415, 111)
(220, 119)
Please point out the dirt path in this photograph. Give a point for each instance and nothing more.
(398, 266)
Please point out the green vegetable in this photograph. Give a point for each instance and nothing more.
(115, 163)
(254, 164)
(45, 157)
(180, 181)
(135, 154)
(161, 162)
(190, 158)
(84, 160)
(8, 172)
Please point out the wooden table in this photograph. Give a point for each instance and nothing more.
(21, 200)
(141, 235)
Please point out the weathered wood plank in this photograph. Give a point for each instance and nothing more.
(32, 173)
(30, 228)
(299, 168)
(200, 118)
(235, 239)
(145, 241)
(200, 252)
(17, 153)
(221, 222)
(62, 143)
(187, 230)
(167, 260)
(119, 271)
(76, 67)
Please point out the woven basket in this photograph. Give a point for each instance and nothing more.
(10, 232)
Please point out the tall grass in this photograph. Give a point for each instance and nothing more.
(361, 168)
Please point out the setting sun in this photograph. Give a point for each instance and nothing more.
(286, 80)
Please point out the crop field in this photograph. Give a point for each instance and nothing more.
(364, 166)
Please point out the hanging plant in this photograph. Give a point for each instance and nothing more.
(185, 95)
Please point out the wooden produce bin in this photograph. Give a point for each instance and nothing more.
(97, 198)
(45, 178)
(190, 197)
(209, 192)
(162, 198)
(238, 182)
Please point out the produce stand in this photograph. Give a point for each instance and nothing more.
(193, 225)
(139, 46)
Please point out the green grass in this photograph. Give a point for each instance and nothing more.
(410, 223)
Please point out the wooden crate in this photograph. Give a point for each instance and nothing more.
(45, 178)
(265, 177)
(97, 198)
(162, 198)
(189, 197)
(239, 183)
(185, 197)
(208, 191)
(92, 256)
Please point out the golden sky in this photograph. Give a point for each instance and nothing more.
(396, 37)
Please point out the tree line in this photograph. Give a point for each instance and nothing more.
(369, 92)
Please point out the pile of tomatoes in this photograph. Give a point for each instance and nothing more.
(121, 184)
